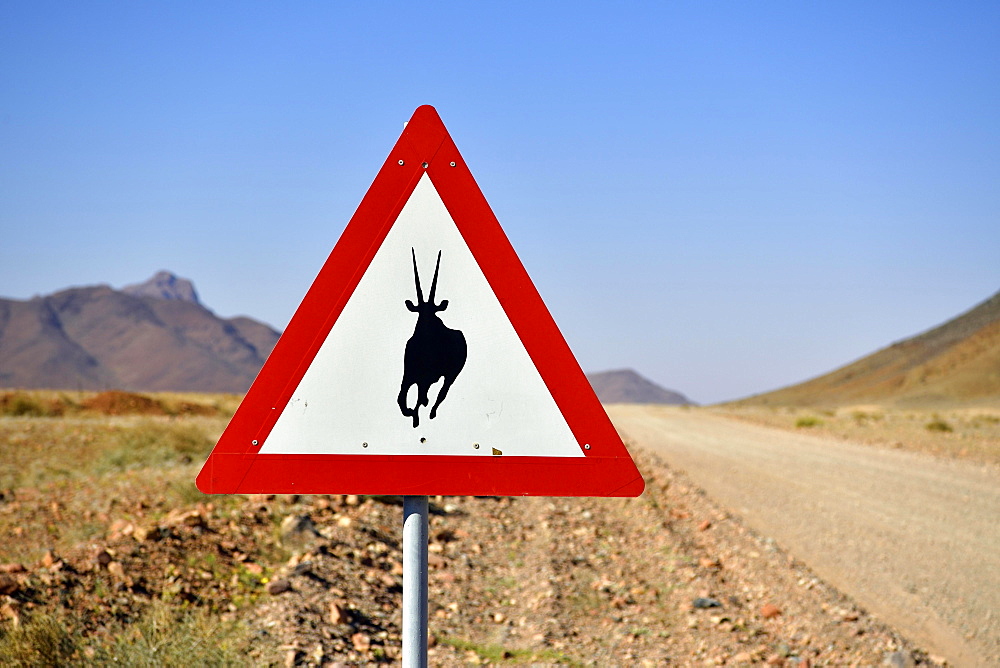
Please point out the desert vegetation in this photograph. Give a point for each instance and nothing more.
(111, 556)
(971, 433)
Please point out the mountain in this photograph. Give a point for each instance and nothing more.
(154, 336)
(956, 363)
(164, 285)
(625, 386)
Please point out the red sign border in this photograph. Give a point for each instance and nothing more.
(235, 464)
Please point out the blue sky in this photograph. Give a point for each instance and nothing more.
(727, 197)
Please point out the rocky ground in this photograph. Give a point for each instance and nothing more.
(664, 579)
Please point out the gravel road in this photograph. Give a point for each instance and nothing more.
(914, 539)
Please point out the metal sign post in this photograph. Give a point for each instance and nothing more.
(415, 581)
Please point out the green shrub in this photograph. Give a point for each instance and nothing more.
(25, 404)
(937, 424)
(168, 637)
(19, 404)
(154, 444)
(808, 421)
(500, 654)
(162, 636)
(43, 641)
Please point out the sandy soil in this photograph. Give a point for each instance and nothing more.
(913, 538)
(101, 526)
(667, 579)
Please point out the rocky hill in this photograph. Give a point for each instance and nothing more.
(953, 364)
(625, 386)
(154, 336)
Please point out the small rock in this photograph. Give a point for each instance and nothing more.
(318, 654)
(298, 530)
(180, 517)
(303, 568)
(103, 558)
(8, 611)
(361, 642)
(8, 585)
(705, 526)
(337, 615)
(710, 564)
(279, 586)
(444, 536)
(701, 603)
(899, 660)
(120, 527)
(12, 568)
(352, 500)
(769, 611)
(742, 657)
(49, 559)
(116, 570)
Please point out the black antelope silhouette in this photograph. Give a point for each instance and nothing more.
(434, 351)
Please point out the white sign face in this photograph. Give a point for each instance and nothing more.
(353, 398)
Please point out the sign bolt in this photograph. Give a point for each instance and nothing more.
(253, 442)
(365, 444)
(401, 163)
(452, 163)
(586, 446)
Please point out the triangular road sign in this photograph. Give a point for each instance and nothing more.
(422, 361)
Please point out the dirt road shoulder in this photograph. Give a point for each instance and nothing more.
(913, 538)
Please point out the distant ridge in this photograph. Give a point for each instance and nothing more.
(153, 336)
(956, 363)
(625, 386)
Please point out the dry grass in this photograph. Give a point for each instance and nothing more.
(966, 433)
(162, 636)
(70, 485)
(93, 469)
(35, 452)
(68, 470)
(57, 403)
